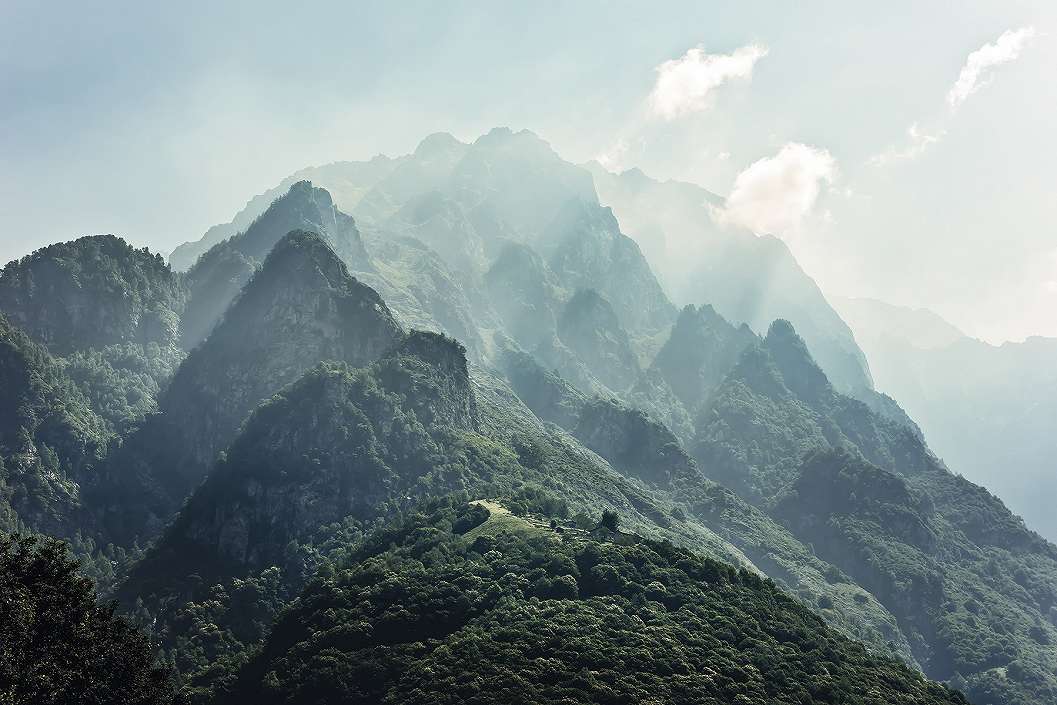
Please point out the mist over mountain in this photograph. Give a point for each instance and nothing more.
(746, 278)
(463, 423)
(481, 190)
(988, 410)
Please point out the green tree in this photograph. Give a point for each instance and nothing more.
(58, 644)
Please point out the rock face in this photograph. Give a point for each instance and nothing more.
(441, 223)
(428, 371)
(301, 308)
(423, 292)
(50, 440)
(634, 443)
(90, 293)
(219, 274)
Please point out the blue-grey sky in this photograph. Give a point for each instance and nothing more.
(155, 120)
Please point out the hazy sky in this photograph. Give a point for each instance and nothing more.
(905, 150)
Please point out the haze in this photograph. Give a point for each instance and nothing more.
(904, 151)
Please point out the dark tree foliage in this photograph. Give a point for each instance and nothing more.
(424, 615)
(93, 292)
(300, 308)
(122, 382)
(973, 589)
(610, 520)
(58, 644)
(50, 438)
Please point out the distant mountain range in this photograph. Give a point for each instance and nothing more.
(746, 278)
(988, 410)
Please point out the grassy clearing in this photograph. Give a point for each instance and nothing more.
(501, 520)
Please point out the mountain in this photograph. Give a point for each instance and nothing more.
(945, 556)
(90, 293)
(589, 327)
(347, 180)
(473, 605)
(343, 451)
(987, 409)
(221, 272)
(648, 454)
(337, 443)
(301, 308)
(700, 351)
(469, 201)
(746, 278)
(439, 224)
(587, 250)
(872, 319)
(109, 316)
(708, 438)
(51, 441)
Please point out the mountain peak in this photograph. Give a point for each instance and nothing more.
(219, 274)
(303, 206)
(309, 242)
(437, 143)
(782, 330)
(92, 292)
(302, 307)
(789, 352)
(526, 141)
(701, 348)
(305, 191)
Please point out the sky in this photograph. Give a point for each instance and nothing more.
(904, 150)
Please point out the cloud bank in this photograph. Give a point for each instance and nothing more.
(775, 194)
(1005, 49)
(683, 84)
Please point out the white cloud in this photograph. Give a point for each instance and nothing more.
(1005, 49)
(920, 140)
(683, 84)
(775, 194)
